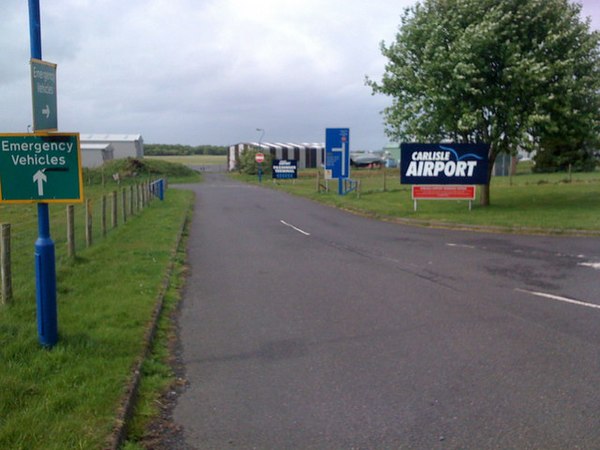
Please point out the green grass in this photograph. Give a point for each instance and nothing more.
(546, 202)
(23, 219)
(193, 160)
(158, 376)
(67, 397)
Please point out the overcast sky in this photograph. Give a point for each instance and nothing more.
(207, 71)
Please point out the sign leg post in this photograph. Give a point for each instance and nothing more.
(45, 279)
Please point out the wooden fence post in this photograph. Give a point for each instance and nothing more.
(139, 197)
(318, 181)
(104, 215)
(124, 206)
(71, 231)
(114, 209)
(5, 269)
(131, 200)
(88, 222)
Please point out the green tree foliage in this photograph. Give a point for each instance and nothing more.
(511, 73)
(247, 163)
(560, 158)
(178, 149)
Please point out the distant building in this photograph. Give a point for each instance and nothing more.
(94, 155)
(308, 155)
(124, 145)
(392, 149)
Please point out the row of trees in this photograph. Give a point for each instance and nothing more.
(512, 73)
(178, 149)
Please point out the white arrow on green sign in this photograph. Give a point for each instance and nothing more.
(40, 168)
(40, 179)
(43, 94)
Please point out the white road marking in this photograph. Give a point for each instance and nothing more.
(590, 264)
(450, 244)
(295, 228)
(559, 298)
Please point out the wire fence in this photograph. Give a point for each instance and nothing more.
(73, 228)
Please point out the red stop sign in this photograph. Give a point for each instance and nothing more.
(260, 157)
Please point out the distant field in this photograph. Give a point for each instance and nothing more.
(193, 160)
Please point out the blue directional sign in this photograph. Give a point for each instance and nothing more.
(337, 152)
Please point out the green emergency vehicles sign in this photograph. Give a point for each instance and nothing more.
(40, 168)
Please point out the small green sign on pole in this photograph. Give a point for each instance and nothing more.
(40, 168)
(43, 94)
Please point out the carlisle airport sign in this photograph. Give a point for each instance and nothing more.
(444, 171)
(444, 163)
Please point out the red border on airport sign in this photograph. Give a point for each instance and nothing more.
(443, 192)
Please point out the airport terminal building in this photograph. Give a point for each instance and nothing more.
(308, 155)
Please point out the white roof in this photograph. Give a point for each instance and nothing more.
(313, 144)
(98, 146)
(110, 137)
(288, 145)
(282, 145)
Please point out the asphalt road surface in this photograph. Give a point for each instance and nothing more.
(305, 327)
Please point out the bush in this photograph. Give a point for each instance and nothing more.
(247, 163)
(558, 159)
(129, 168)
(178, 149)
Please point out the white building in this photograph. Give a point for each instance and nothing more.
(124, 145)
(94, 155)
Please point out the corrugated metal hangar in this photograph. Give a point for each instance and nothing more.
(124, 145)
(308, 155)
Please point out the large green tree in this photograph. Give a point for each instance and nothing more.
(511, 73)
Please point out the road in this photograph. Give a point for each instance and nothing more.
(305, 327)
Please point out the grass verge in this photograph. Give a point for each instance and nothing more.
(159, 381)
(556, 203)
(67, 397)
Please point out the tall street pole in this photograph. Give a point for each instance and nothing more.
(45, 265)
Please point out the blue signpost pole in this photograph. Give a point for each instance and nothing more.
(45, 280)
(45, 268)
